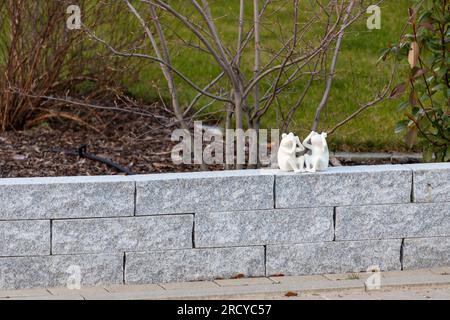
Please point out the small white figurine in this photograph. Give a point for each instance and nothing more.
(287, 158)
(320, 156)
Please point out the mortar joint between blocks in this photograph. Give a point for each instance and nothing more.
(334, 223)
(123, 267)
(265, 260)
(193, 231)
(402, 248)
(274, 192)
(51, 237)
(135, 199)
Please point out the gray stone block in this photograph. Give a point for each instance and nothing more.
(193, 264)
(423, 253)
(55, 271)
(204, 191)
(342, 186)
(332, 257)
(241, 228)
(66, 197)
(24, 238)
(431, 182)
(393, 221)
(109, 235)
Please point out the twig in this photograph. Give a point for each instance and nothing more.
(330, 79)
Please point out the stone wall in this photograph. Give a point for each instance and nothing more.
(194, 226)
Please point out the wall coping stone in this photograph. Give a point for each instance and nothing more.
(428, 166)
(204, 174)
(351, 169)
(220, 174)
(63, 180)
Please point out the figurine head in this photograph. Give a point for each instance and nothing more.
(284, 135)
(316, 139)
(288, 142)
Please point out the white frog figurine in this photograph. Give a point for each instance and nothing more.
(290, 145)
(319, 156)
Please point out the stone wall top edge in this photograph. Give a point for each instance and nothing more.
(220, 174)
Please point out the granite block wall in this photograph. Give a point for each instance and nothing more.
(200, 226)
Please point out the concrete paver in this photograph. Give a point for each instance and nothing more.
(24, 293)
(119, 288)
(291, 279)
(63, 291)
(244, 282)
(437, 293)
(347, 295)
(413, 278)
(441, 271)
(397, 295)
(49, 297)
(317, 283)
(348, 276)
(197, 285)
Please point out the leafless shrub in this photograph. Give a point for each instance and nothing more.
(41, 58)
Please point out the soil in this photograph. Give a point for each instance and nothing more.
(140, 144)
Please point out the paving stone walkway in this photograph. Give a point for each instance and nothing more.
(404, 285)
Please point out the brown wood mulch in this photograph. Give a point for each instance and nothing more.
(138, 143)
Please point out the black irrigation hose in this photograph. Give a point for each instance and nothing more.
(82, 153)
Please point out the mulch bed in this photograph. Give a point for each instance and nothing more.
(141, 144)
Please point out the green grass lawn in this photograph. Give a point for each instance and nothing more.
(357, 80)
